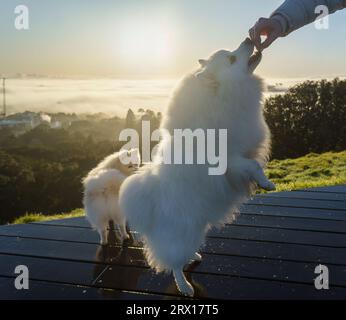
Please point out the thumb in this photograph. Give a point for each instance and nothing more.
(269, 40)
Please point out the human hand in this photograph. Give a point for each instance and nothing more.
(271, 28)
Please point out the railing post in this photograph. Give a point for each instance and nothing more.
(3, 97)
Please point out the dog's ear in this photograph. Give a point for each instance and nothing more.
(202, 62)
(208, 78)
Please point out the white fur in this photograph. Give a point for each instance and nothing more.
(173, 206)
(101, 188)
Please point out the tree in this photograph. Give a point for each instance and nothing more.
(310, 117)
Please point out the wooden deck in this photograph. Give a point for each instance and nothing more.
(269, 253)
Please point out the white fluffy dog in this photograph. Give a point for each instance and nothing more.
(173, 206)
(101, 188)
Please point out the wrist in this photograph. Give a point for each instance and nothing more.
(282, 23)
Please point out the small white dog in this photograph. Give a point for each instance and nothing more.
(173, 206)
(101, 188)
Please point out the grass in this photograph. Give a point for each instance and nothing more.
(312, 170)
(35, 217)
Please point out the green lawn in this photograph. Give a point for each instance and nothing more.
(312, 170)
(35, 217)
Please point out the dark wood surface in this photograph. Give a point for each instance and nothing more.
(270, 252)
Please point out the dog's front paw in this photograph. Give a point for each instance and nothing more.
(267, 185)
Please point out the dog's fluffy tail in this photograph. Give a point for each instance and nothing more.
(135, 200)
(103, 182)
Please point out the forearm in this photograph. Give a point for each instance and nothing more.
(294, 14)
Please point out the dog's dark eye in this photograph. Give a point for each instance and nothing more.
(232, 59)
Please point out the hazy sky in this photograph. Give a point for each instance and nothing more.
(156, 37)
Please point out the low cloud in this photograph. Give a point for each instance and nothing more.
(111, 96)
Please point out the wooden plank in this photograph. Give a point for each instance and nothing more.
(281, 236)
(294, 212)
(52, 232)
(40, 290)
(94, 253)
(278, 251)
(53, 270)
(229, 231)
(242, 219)
(86, 273)
(279, 211)
(74, 251)
(334, 189)
(306, 195)
(242, 288)
(79, 222)
(215, 286)
(253, 209)
(277, 270)
(301, 203)
(291, 223)
(286, 271)
(272, 256)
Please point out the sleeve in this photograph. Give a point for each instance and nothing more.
(294, 14)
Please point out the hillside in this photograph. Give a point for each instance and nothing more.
(312, 170)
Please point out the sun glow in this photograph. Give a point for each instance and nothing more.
(144, 44)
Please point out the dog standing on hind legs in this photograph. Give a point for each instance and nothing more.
(173, 206)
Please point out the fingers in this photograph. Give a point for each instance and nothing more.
(269, 40)
(255, 37)
(251, 34)
(255, 33)
(266, 27)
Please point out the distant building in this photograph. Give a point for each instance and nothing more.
(26, 120)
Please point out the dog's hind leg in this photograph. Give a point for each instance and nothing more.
(103, 236)
(183, 285)
(197, 257)
(123, 233)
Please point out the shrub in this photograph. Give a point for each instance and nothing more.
(310, 117)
